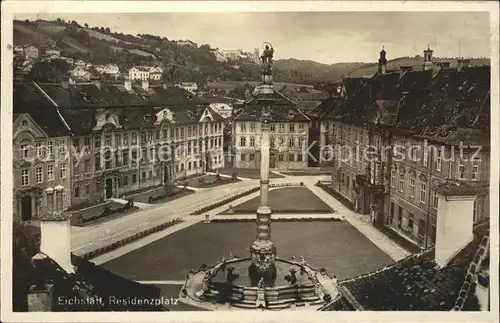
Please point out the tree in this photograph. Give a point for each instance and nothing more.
(86, 25)
(54, 70)
(58, 21)
(107, 30)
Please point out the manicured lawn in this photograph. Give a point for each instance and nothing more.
(208, 181)
(246, 172)
(336, 246)
(287, 199)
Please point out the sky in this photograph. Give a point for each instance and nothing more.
(326, 37)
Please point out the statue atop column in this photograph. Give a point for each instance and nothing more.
(267, 59)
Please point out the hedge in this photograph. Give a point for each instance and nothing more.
(215, 219)
(246, 211)
(129, 239)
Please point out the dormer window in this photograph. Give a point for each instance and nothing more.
(147, 117)
(24, 124)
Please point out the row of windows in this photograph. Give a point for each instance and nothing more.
(124, 181)
(272, 127)
(292, 141)
(281, 157)
(40, 174)
(406, 222)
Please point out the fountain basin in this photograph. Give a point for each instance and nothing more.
(307, 291)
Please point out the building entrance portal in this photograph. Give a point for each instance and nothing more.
(26, 208)
(109, 188)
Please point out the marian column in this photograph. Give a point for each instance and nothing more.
(263, 251)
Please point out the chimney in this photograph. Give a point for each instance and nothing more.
(55, 230)
(462, 62)
(454, 227)
(145, 85)
(128, 85)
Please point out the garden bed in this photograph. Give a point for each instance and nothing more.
(169, 194)
(210, 181)
(246, 173)
(286, 200)
(110, 210)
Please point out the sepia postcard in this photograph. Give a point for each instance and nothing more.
(249, 161)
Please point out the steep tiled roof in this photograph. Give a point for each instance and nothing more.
(27, 99)
(282, 109)
(78, 103)
(436, 107)
(416, 283)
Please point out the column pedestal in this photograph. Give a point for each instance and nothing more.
(263, 251)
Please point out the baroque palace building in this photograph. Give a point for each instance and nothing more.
(399, 136)
(100, 141)
(289, 135)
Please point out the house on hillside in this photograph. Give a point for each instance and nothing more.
(219, 56)
(223, 109)
(139, 73)
(80, 74)
(188, 86)
(80, 63)
(111, 69)
(53, 52)
(31, 52)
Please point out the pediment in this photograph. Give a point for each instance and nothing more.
(25, 126)
(104, 118)
(206, 116)
(165, 116)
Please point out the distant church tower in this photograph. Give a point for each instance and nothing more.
(382, 62)
(256, 55)
(428, 59)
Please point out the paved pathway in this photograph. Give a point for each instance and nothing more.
(391, 248)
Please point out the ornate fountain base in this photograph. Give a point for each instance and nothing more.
(263, 255)
(297, 286)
